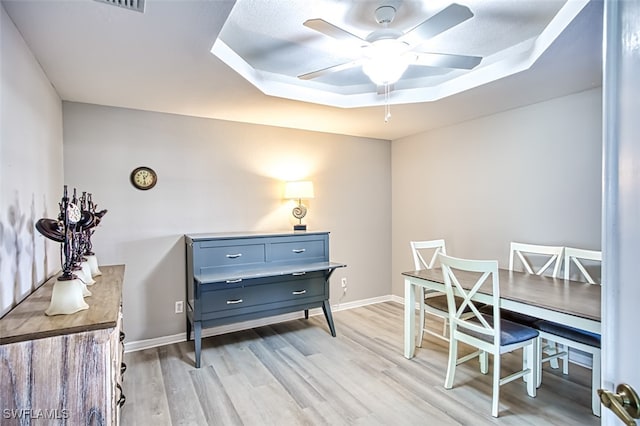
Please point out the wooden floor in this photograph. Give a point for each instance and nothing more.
(295, 373)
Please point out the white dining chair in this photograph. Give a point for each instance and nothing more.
(528, 254)
(570, 337)
(488, 333)
(431, 302)
(552, 257)
(536, 259)
(577, 257)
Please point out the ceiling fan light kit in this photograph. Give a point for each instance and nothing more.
(387, 59)
(387, 53)
(389, 45)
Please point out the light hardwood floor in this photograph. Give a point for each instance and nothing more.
(295, 373)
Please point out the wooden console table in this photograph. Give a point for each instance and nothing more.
(233, 277)
(65, 368)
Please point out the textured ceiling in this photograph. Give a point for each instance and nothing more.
(268, 44)
(160, 60)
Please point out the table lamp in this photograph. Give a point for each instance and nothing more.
(299, 190)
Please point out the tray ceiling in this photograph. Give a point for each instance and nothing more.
(267, 43)
(160, 60)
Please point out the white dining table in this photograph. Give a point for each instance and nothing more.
(571, 303)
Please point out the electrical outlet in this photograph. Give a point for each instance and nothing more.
(343, 282)
(179, 307)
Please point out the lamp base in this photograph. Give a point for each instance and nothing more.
(300, 227)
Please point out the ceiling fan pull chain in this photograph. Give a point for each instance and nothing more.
(387, 107)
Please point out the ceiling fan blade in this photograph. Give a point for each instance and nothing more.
(332, 31)
(447, 61)
(447, 18)
(329, 70)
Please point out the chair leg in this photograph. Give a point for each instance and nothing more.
(420, 334)
(539, 362)
(495, 401)
(553, 349)
(595, 384)
(533, 364)
(451, 366)
(565, 360)
(484, 362)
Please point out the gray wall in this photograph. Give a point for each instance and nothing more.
(532, 174)
(30, 168)
(219, 176)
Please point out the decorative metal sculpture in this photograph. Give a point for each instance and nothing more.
(79, 265)
(92, 260)
(73, 230)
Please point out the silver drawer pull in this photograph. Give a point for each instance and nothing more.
(234, 281)
(297, 274)
(233, 302)
(299, 292)
(299, 250)
(234, 256)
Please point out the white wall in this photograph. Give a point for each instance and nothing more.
(30, 168)
(532, 174)
(222, 176)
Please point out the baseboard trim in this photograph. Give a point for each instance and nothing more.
(400, 300)
(229, 328)
(576, 357)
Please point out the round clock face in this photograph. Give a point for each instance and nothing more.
(144, 178)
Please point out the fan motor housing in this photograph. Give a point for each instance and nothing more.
(384, 33)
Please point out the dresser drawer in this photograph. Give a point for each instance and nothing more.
(233, 283)
(213, 254)
(252, 297)
(299, 249)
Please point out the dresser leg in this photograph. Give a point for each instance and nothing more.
(197, 341)
(326, 307)
(306, 314)
(188, 329)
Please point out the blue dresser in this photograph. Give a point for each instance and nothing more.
(234, 277)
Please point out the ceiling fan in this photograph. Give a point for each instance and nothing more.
(386, 53)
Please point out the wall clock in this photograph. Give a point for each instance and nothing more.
(144, 178)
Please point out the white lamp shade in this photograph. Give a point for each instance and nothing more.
(66, 298)
(387, 60)
(383, 72)
(299, 190)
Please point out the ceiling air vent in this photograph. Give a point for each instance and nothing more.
(137, 5)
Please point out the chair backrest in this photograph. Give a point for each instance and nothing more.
(456, 279)
(420, 248)
(577, 257)
(552, 255)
